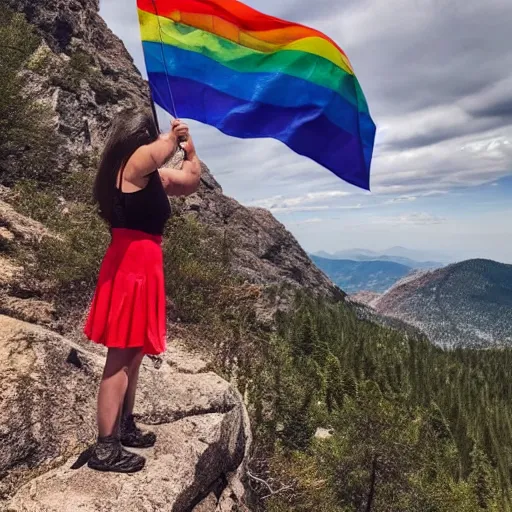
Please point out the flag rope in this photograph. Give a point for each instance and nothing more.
(163, 59)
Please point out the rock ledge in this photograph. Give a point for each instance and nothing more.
(47, 418)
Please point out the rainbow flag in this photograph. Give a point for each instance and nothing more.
(251, 75)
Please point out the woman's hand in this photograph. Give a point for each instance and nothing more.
(184, 181)
(171, 142)
(189, 148)
(180, 130)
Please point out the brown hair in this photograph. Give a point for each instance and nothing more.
(131, 129)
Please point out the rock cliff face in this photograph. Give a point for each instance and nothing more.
(81, 71)
(264, 251)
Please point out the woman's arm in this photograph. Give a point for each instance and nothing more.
(149, 157)
(184, 181)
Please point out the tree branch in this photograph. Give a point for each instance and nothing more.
(272, 492)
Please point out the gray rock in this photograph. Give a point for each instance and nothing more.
(19, 227)
(47, 418)
(209, 504)
(181, 360)
(28, 309)
(188, 457)
(83, 112)
(8, 272)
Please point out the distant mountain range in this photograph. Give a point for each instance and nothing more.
(465, 304)
(354, 276)
(408, 257)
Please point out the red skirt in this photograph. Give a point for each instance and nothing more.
(128, 308)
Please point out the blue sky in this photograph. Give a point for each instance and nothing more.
(438, 79)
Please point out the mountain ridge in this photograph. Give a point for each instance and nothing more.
(367, 255)
(355, 276)
(464, 304)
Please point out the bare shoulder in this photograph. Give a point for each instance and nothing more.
(140, 164)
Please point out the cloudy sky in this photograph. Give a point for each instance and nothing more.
(437, 75)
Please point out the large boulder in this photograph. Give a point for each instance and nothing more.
(48, 388)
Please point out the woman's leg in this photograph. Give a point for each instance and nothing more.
(113, 387)
(133, 377)
(131, 435)
(108, 454)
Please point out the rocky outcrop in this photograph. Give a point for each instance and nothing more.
(17, 227)
(82, 72)
(8, 272)
(70, 25)
(16, 299)
(264, 252)
(48, 388)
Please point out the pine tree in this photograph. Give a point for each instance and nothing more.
(481, 478)
(335, 384)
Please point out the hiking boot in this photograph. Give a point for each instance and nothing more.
(109, 455)
(133, 436)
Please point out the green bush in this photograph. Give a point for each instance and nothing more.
(28, 141)
(78, 186)
(39, 62)
(69, 261)
(196, 262)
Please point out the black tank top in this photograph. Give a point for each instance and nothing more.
(146, 210)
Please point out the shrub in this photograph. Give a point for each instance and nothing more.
(28, 141)
(196, 267)
(70, 260)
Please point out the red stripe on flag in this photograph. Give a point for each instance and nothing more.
(241, 15)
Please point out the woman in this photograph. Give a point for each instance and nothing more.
(128, 310)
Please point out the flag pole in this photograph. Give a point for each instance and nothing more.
(153, 108)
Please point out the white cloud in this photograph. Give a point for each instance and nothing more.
(447, 165)
(401, 199)
(313, 220)
(411, 219)
(300, 203)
